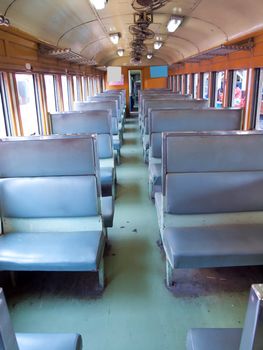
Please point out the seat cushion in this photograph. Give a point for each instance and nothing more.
(50, 341)
(107, 209)
(214, 246)
(51, 251)
(213, 338)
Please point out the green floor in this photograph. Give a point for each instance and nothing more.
(136, 311)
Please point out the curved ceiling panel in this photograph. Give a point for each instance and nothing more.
(4, 6)
(235, 17)
(201, 32)
(97, 48)
(181, 47)
(79, 37)
(49, 19)
(122, 61)
(168, 55)
(77, 25)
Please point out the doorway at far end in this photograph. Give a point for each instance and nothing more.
(135, 83)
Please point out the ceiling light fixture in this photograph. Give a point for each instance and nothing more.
(99, 4)
(149, 55)
(120, 52)
(174, 23)
(114, 37)
(157, 45)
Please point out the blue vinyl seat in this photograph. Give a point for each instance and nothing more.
(173, 120)
(111, 105)
(51, 205)
(33, 341)
(56, 155)
(248, 338)
(210, 208)
(91, 122)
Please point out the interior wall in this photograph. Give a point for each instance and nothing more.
(18, 49)
(235, 60)
(147, 81)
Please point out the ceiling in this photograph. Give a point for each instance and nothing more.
(77, 25)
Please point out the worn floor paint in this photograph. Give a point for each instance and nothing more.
(136, 311)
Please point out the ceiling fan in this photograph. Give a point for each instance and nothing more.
(148, 5)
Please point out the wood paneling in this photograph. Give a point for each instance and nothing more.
(235, 60)
(18, 48)
(23, 52)
(2, 48)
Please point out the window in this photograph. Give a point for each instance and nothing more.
(84, 88)
(185, 83)
(174, 84)
(219, 89)
(239, 88)
(99, 84)
(90, 85)
(27, 104)
(2, 120)
(205, 85)
(75, 87)
(4, 112)
(95, 88)
(179, 83)
(50, 92)
(64, 82)
(195, 92)
(259, 108)
(188, 82)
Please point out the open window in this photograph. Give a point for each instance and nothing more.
(27, 103)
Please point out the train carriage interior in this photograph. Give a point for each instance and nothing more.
(131, 174)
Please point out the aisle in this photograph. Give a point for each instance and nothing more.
(136, 311)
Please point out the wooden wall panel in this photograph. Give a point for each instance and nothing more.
(235, 60)
(23, 52)
(18, 48)
(2, 48)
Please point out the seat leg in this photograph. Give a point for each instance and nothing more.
(13, 278)
(101, 274)
(150, 189)
(118, 156)
(169, 275)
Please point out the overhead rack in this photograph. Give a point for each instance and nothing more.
(222, 50)
(65, 55)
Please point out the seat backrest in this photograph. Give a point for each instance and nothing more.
(7, 334)
(87, 122)
(100, 105)
(161, 120)
(252, 335)
(150, 92)
(49, 197)
(48, 156)
(212, 172)
(165, 100)
(171, 104)
(108, 97)
(115, 93)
